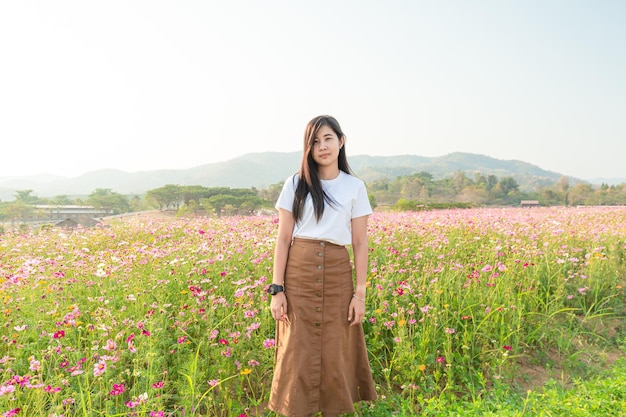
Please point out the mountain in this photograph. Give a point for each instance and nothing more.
(263, 169)
(607, 181)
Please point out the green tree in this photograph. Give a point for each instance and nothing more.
(167, 196)
(109, 201)
(18, 211)
(508, 185)
(492, 180)
(411, 187)
(25, 197)
(191, 193)
(581, 194)
(562, 188)
(271, 193)
(61, 200)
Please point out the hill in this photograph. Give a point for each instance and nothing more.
(260, 170)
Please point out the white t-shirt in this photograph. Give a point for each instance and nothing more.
(351, 199)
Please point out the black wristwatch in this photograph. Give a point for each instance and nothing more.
(275, 289)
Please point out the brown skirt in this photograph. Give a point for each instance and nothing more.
(321, 361)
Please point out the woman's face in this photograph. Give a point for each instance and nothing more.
(326, 146)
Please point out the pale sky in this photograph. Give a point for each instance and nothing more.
(143, 85)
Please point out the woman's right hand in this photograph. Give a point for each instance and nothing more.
(278, 306)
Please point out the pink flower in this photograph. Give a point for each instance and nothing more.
(130, 343)
(59, 334)
(34, 365)
(441, 359)
(111, 345)
(20, 380)
(6, 389)
(50, 389)
(182, 339)
(11, 413)
(507, 347)
(99, 368)
(117, 389)
(268, 343)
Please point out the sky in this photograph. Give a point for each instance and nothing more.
(145, 85)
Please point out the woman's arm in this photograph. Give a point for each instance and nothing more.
(286, 223)
(360, 251)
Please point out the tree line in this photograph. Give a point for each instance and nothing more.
(411, 192)
(488, 190)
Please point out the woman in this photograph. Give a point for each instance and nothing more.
(321, 358)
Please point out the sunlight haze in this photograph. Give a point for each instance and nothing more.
(145, 85)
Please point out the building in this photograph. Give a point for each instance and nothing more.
(70, 215)
(529, 203)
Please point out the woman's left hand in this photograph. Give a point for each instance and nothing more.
(356, 311)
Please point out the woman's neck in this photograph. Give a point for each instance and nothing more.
(328, 173)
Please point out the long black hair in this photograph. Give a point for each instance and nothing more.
(309, 177)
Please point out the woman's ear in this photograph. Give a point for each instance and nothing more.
(342, 142)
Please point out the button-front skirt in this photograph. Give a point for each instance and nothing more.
(321, 361)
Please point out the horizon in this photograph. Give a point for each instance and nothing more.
(180, 85)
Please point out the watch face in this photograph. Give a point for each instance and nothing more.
(274, 289)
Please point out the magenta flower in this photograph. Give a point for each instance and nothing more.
(268, 343)
(50, 389)
(11, 413)
(117, 389)
(59, 334)
(20, 380)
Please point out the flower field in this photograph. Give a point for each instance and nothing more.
(154, 317)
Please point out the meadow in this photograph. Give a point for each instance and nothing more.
(169, 317)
